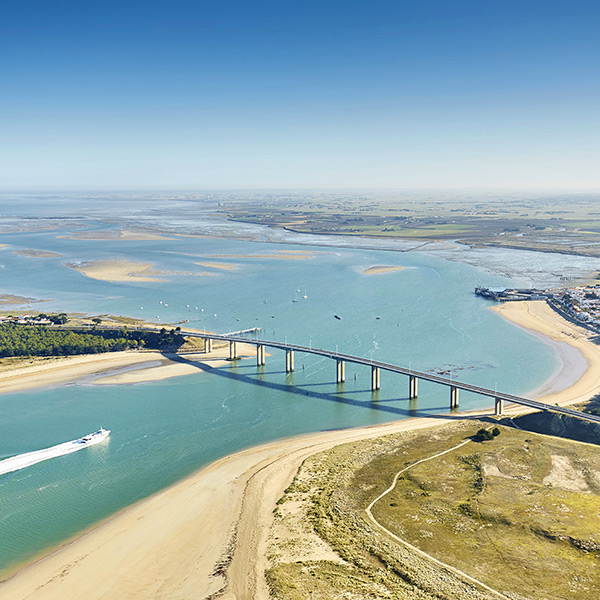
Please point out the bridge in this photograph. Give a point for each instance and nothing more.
(376, 367)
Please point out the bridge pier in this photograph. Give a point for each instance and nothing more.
(233, 355)
(341, 371)
(289, 361)
(260, 355)
(208, 345)
(499, 406)
(413, 387)
(375, 378)
(453, 397)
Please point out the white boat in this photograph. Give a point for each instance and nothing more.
(93, 438)
(15, 463)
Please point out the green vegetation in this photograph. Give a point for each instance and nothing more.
(540, 223)
(518, 513)
(484, 435)
(26, 340)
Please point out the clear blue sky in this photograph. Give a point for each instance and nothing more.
(299, 94)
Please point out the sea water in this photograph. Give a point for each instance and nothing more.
(424, 316)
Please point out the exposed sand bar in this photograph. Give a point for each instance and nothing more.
(218, 265)
(538, 317)
(31, 253)
(117, 270)
(377, 269)
(167, 546)
(12, 299)
(113, 368)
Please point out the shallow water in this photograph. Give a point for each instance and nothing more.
(424, 316)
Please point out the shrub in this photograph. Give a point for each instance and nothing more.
(482, 435)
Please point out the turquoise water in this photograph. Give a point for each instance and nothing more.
(425, 315)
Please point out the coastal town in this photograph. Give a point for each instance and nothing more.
(39, 319)
(579, 303)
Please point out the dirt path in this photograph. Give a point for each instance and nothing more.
(444, 565)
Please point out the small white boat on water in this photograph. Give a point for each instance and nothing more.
(94, 438)
(15, 463)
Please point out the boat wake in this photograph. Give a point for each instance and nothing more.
(15, 463)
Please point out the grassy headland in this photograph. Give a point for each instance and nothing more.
(518, 513)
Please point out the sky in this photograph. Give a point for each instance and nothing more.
(300, 94)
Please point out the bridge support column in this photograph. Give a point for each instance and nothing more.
(453, 397)
(341, 371)
(289, 361)
(499, 406)
(260, 355)
(208, 345)
(375, 378)
(413, 387)
(233, 351)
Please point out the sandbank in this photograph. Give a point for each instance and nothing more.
(111, 368)
(3, 245)
(218, 265)
(377, 269)
(12, 299)
(31, 253)
(115, 235)
(116, 270)
(208, 533)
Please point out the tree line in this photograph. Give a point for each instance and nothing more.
(25, 340)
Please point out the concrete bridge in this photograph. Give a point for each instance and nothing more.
(376, 367)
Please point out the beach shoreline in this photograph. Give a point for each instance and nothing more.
(578, 378)
(207, 534)
(115, 368)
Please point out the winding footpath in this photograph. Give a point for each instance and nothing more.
(420, 552)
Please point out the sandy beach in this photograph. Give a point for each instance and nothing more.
(209, 532)
(571, 341)
(114, 368)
